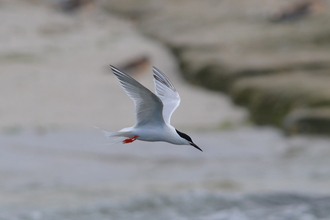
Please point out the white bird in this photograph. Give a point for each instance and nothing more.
(153, 112)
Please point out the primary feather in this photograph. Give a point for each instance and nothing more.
(167, 93)
(148, 106)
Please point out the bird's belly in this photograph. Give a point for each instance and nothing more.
(152, 134)
(150, 137)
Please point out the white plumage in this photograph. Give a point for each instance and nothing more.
(152, 112)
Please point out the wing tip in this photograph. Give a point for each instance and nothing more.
(118, 72)
(156, 70)
(162, 78)
(113, 68)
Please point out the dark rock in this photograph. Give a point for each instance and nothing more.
(312, 120)
(271, 98)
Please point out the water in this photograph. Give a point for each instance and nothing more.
(244, 173)
(191, 206)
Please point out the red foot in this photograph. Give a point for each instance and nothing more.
(130, 140)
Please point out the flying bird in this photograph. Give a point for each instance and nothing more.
(152, 111)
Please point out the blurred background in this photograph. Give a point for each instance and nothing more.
(254, 81)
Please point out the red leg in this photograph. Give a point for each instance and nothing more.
(130, 140)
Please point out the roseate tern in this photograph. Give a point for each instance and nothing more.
(152, 112)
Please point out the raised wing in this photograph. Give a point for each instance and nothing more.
(167, 93)
(148, 107)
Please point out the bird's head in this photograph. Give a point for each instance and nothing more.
(188, 139)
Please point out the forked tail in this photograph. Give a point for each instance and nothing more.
(114, 137)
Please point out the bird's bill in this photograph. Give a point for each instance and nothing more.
(195, 146)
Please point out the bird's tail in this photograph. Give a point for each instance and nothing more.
(114, 137)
